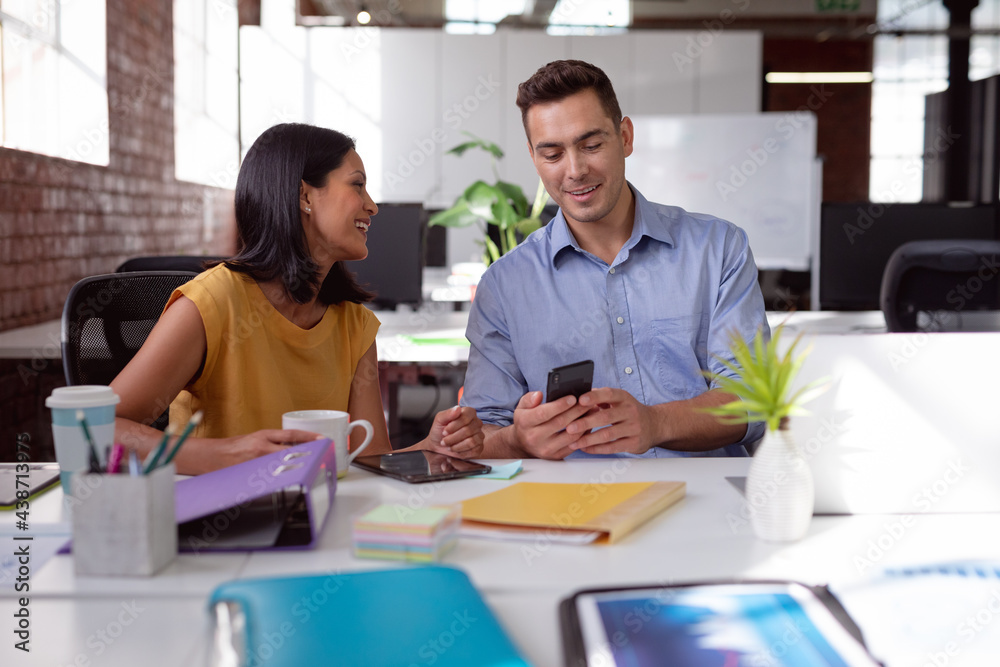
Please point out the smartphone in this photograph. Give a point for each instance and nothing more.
(420, 466)
(738, 624)
(570, 380)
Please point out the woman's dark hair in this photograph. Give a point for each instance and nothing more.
(562, 78)
(270, 240)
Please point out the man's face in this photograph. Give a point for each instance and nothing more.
(580, 156)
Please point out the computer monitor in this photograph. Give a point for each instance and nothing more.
(395, 263)
(856, 240)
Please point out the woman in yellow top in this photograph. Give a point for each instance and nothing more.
(278, 327)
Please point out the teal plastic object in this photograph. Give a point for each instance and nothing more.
(429, 615)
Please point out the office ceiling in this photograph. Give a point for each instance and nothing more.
(644, 13)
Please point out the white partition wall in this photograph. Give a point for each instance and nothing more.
(342, 97)
(614, 55)
(412, 128)
(473, 100)
(729, 75)
(664, 84)
(647, 76)
(524, 54)
(408, 94)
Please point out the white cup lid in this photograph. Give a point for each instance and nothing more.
(82, 396)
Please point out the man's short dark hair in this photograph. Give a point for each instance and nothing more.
(562, 78)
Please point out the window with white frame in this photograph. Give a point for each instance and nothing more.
(568, 17)
(478, 17)
(908, 67)
(54, 78)
(589, 17)
(206, 92)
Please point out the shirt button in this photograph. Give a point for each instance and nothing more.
(628, 370)
(612, 269)
(621, 320)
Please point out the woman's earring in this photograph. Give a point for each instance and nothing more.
(308, 210)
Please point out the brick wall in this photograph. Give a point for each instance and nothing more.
(843, 130)
(843, 110)
(63, 220)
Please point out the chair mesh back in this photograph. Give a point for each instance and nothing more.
(929, 285)
(194, 263)
(107, 318)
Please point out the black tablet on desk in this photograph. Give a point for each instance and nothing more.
(420, 466)
(34, 478)
(724, 624)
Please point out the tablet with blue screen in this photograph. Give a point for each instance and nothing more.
(723, 625)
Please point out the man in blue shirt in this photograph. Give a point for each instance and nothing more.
(650, 293)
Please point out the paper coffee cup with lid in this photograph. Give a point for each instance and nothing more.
(97, 403)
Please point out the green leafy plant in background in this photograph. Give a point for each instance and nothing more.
(763, 382)
(501, 204)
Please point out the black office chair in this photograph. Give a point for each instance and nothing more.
(944, 279)
(194, 263)
(107, 318)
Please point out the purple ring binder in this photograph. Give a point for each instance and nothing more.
(278, 501)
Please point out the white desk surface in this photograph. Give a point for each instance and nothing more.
(42, 341)
(829, 321)
(699, 538)
(39, 341)
(399, 328)
(398, 338)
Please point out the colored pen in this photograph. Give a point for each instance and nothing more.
(154, 456)
(115, 459)
(194, 421)
(95, 464)
(133, 463)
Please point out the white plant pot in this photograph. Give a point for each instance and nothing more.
(779, 489)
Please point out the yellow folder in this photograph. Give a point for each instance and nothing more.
(614, 510)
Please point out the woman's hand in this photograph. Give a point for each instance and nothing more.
(456, 432)
(197, 457)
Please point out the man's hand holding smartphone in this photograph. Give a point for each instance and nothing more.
(541, 427)
(623, 424)
(564, 424)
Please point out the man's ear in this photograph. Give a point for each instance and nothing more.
(531, 151)
(628, 135)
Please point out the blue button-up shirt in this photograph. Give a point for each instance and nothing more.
(652, 321)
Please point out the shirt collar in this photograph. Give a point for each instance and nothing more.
(645, 213)
(646, 217)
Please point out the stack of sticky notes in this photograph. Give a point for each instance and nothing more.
(397, 532)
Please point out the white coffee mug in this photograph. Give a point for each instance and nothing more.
(332, 424)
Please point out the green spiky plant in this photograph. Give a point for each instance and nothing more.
(763, 382)
(501, 204)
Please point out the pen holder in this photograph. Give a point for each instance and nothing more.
(124, 525)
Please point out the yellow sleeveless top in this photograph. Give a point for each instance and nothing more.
(260, 365)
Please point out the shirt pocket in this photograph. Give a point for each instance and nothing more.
(680, 347)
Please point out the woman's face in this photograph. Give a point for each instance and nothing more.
(336, 216)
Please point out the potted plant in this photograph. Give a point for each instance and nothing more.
(501, 204)
(779, 485)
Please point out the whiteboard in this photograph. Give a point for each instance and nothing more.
(755, 170)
